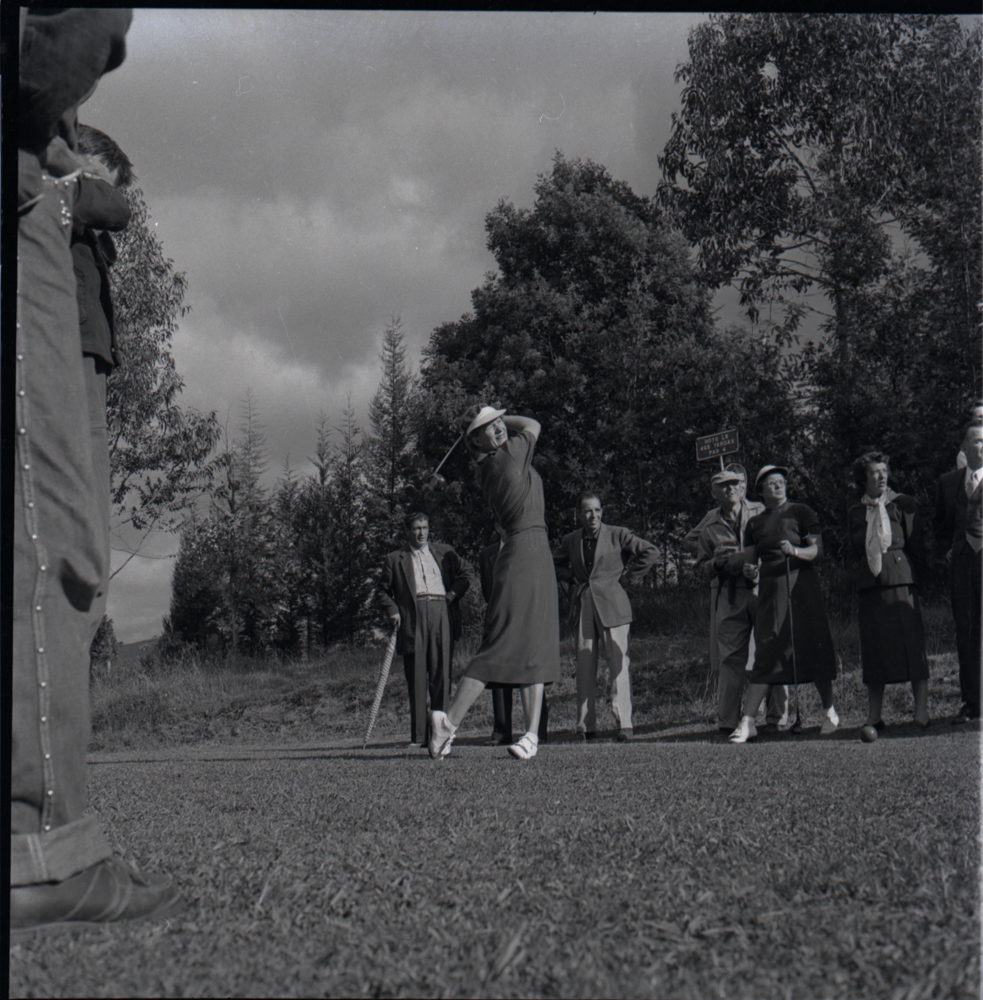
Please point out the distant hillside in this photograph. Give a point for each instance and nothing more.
(129, 654)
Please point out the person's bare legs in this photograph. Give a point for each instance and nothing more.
(753, 698)
(875, 703)
(468, 689)
(920, 690)
(825, 689)
(532, 705)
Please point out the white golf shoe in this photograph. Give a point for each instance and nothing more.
(441, 734)
(526, 748)
(746, 730)
(830, 722)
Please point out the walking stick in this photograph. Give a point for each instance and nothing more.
(797, 725)
(381, 686)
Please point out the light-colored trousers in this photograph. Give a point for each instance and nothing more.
(590, 635)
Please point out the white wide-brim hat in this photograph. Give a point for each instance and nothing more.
(485, 416)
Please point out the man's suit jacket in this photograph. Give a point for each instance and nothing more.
(620, 557)
(952, 512)
(397, 590)
(904, 562)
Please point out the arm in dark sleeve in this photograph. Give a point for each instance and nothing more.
(561, 563)
(463, 575)
(940, 524)
(99, 205)
(691, 541)
(386, 587)
(914, 537)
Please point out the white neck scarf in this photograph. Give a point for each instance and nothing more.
(878, 539)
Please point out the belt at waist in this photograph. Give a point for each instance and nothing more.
(431, 597)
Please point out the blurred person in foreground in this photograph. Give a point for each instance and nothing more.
(100, 209)
(600, 560)
(733, 600)
(888, 541)
(502, 693)
(62, 873)
(521, 641)
(959, 539)
(793, 644)
(420, 588)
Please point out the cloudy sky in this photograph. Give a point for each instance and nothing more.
(314, 173)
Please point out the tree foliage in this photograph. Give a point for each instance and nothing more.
(597, 325)
(840, 154)
(158, 451)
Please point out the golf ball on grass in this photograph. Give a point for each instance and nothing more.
(868, 734)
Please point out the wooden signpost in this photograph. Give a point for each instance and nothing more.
(716, 446)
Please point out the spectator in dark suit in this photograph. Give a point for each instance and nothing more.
(886, 533)
(958, 539)
(599, 559)
(420, 588)
(502, 693)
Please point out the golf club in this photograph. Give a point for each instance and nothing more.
(434, 479)
(797, 725)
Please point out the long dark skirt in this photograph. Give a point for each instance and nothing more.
(892, 639)
(521, 642)
(815, 658)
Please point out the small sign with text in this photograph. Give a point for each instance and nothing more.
(715, 445)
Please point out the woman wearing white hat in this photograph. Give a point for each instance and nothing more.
(521, 642)
(785, 539)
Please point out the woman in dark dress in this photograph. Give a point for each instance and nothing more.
(786, 534)
(521, 642)
(886, 532)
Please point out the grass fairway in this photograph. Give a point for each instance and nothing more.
(674, 866)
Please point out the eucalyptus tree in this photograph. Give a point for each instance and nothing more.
(839, 154)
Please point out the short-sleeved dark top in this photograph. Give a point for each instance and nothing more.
(511, 485)
(789, 521)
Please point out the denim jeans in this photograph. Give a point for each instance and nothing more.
(60, 559)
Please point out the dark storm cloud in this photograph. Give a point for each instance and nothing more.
(315, 172)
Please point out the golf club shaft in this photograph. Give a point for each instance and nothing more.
(448, 455)
(791, 628)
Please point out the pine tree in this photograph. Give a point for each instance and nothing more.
(389, 465)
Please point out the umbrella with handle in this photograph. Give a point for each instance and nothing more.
(381, 686)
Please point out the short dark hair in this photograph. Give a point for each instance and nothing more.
(417, 515)
(98, 144)
(861, 462)
(969, 425)
(588, 495)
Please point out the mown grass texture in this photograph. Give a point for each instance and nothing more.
(810, 868)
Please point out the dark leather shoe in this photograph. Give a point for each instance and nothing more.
(768, 729)
(104, 893)
(624, 735)
(585, 737)
(500, 740)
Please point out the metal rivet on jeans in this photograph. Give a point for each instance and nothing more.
(44, 684)
(30, 504)
(20, 392)
(34, 538)
(51, 791)
(47, 756)
(43, 568)
(26, 466)
(23, 430)
(47, 828)
(44, 718)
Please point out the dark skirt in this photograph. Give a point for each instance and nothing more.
(521, 642)
(815, 658)
(892, 639)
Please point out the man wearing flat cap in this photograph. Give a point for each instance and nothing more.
(733, 598)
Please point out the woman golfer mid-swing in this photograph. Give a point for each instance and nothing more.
(521, 642)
